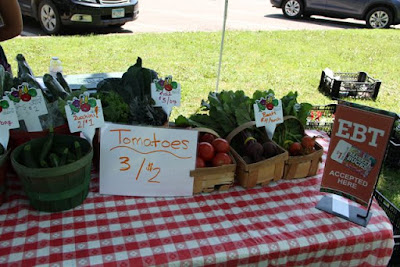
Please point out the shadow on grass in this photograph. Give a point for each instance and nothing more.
(319, 20)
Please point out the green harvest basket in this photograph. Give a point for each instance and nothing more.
(4, 162)
(59, 188)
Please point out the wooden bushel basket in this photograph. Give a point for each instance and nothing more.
(304, 165)
(209, 179)
(259, 173)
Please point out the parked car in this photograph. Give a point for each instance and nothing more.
(53, 15)
(377, 13)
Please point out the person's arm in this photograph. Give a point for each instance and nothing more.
(12, 19)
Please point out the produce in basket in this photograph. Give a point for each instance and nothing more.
(212, 151)
(51, 155)
(128, 99)
(227, 110)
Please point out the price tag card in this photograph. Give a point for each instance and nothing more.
(166, 93)
(84, 114)
(8, 119)
(146, 161)
(268, 112)
(30, 104)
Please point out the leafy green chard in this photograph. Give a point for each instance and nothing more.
(128, 99)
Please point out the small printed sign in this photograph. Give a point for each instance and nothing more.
(146, 161)
(30, 104)
(8, 119)
(357, 148)
(166, 93)
(268, 112)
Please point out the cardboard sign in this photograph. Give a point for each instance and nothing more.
(30, 104)
(8, 119)
(356, 151)
(268, 112)
(166, 93)
(146, 161)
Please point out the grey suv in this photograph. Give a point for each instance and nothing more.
(377, 13)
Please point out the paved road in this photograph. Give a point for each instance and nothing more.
(207, 15)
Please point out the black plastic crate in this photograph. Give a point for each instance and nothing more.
(393, 214)
(345, 84)
(321, 118)
(392, 159)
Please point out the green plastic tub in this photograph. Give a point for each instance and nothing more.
(59, 188)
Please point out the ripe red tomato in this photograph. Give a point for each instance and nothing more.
(295, 149)
(308, 142)
(221, 159)
(200, 163)
(168, 87)
(85, 107)
(205, 151)
(207, 137)
(221, 145)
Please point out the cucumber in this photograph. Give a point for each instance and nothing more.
(54, 87)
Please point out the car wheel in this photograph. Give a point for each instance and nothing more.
(292, 8)
(48, 17)
(379, 18)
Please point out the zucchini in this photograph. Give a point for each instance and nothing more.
(63, 82)
(26, 77)
(46, 148)
(28, 159)
(64, 156)
(78, 150)
(54, 87)
(23, 66)
(54, 160)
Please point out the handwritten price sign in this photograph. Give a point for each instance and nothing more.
(166, 93)
(8, 119)
(30, 104)
(268, 112)
(146, 161)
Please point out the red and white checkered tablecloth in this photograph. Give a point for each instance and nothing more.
(274, 225)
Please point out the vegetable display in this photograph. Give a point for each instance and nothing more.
(227, 110)
(128, 99)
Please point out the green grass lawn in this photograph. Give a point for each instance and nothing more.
(280, 60)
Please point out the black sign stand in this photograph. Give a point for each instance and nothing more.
(356, 215)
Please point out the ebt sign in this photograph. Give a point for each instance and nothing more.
(146, 161)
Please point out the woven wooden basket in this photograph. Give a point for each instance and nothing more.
(304, 165)
(259, 173)
(210, 179)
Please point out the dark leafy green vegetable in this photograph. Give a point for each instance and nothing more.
(128, 99)
(291, 107)
(291, 130)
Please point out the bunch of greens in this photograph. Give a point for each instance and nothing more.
(292, 129)
(128, 99)
(223, 112)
